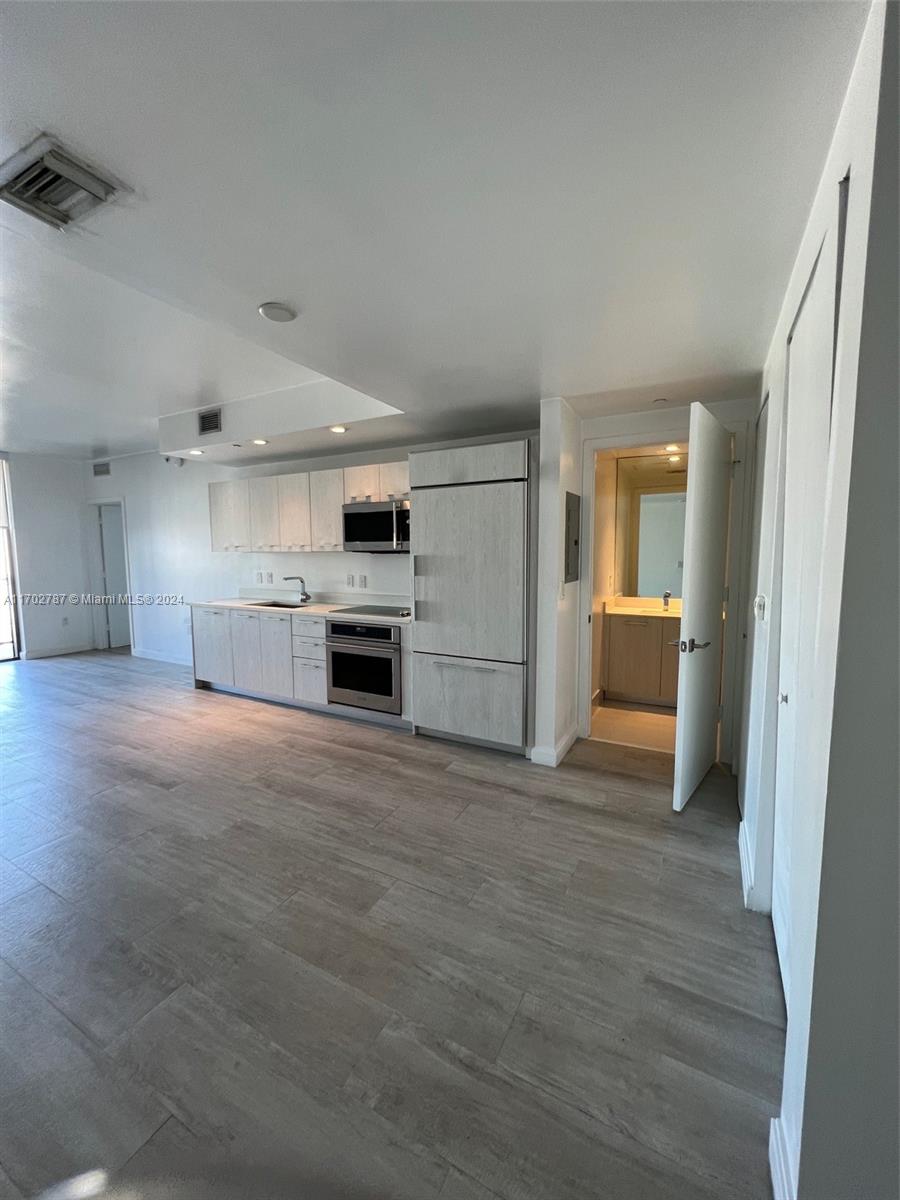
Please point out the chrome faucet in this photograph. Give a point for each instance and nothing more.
(304, 594)
(667, 596)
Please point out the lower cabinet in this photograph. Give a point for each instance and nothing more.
(640, 664)
(469, 697)
(245, 651)
(310, 681)
(275, 654)
(212, 645)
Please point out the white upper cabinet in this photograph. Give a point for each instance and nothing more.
(326, 499)
(469, 464)
(265, 531)
(293, 511)
(361, 483)
(229, 515)
(394, 480)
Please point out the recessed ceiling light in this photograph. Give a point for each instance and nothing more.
(275, 310)
(263, 442)
(195, 451)
(338, 428)
(669, 449)
(674, 458)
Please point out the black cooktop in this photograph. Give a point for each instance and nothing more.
(373, 610)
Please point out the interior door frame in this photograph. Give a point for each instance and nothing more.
(675, 429)
(95, 570)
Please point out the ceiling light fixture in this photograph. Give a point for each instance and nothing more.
(260, 442)
(671, 449)
(195, 451)
(275, 310)
(674, 458)
(338, 428)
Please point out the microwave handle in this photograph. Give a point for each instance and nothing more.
(394, 515)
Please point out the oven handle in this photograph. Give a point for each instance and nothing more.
(373, 649)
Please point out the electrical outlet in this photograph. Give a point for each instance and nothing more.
(259, 577)
(362, 581)
(270, 578)
(351, 581)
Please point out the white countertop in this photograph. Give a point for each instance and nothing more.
(641, 612)
(302, 610)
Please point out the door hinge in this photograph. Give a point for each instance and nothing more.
(725, 593)
(720, 711)
(589, 618)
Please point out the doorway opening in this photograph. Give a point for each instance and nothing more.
(112, 617)
(9, 617)
(639, 510)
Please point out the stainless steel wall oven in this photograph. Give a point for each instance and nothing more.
(363, 664)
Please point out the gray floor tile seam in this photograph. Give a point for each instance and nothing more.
(557, 1100)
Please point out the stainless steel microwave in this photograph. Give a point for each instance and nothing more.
(377, 527)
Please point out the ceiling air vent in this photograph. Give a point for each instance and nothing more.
(102, 469)
(210, 421)
(47, 182)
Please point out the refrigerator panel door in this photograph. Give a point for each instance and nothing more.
(468, 548)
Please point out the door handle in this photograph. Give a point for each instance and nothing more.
(692, 645)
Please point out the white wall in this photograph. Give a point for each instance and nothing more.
(48, 512)
(836, 1133)
(557, 602)
(167, 527)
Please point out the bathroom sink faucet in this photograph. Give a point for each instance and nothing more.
(667, 596)
(304, 594)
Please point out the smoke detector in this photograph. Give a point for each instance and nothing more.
(46, 181)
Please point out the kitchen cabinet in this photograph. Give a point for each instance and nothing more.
(211, 631)
(276, 669)
(229, 514)
(469, 464)
(308, 647)
(245, 651)
(393, 480)
(326, 500)
(361, 483)
(310, 681)
(293, 511)
(640, 665)
(265, 529)
(470, 697)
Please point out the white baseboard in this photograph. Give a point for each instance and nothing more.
(178, 660)
(57, 652)
(780, 1162)
(552, 756)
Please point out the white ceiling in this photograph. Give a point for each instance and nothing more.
(473, 205)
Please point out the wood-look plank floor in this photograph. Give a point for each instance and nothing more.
(237, 932)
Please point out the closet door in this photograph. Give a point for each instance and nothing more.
(799, 816)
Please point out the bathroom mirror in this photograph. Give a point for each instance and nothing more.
(650, 507)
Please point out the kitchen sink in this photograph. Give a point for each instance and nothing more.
(273, 604)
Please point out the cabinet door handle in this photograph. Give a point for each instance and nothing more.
(627, 622)
(466, 667)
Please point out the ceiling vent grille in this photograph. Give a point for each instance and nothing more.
(209, 421)
(103, 468)
(47, 182)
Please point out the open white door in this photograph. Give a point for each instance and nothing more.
(115, 573)
(705, 549)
